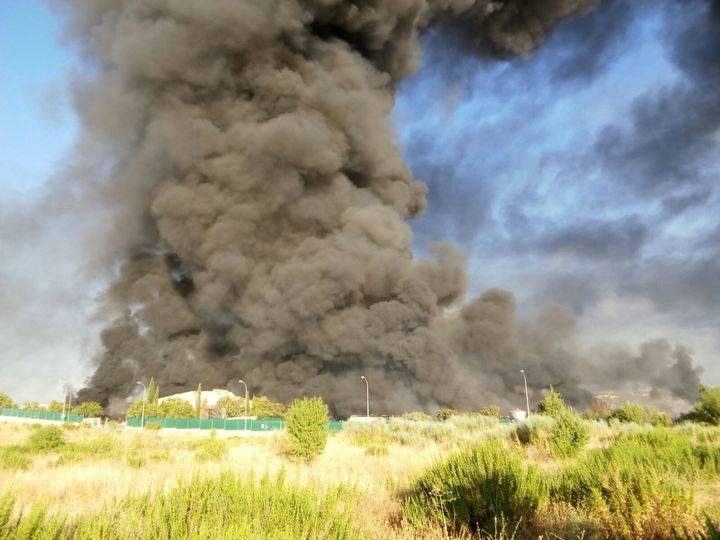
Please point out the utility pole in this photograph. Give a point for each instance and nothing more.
(62, 417)
(246, 401)
(527, 398)
(367, 397)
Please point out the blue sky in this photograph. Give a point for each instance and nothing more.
(510, 151)
(37, 127)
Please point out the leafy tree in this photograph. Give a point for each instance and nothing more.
(230, 407)
(263, 407)
(55, 406)
(153, 393)
(553, 404)
(175, 408)
(491, 410)
(306, 425)
(151, 411)
(89, 409)
(707, 410)
(35, 406)
(6, 401)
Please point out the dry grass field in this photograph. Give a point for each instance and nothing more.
(91, 471)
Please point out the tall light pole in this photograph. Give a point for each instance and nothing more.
(367, 396)
(246, 401)
(527, 398)
(62, 417)
(142, 417)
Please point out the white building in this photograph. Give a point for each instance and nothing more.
(208, 398)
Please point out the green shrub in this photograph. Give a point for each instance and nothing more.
(135, 459)
(627, 501)
(444, 414)
(637, 414)
(534, 430)
(366, 434)
(474, 422)
(153, 426)
(475, 488)
(552, 404)
(568, 436)
(491, 410)
(14, 457)
(45, 439)
(306, 425)
(103, 447)
(417, 417)
(377, 450)
(212, 450)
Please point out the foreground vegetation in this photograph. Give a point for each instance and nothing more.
(555, 475)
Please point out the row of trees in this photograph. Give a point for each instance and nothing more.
(226, 407)
(89, 409)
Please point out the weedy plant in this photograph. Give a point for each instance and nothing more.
(474, 488)
(226, 506)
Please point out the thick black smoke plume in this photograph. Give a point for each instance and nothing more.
(255, 181)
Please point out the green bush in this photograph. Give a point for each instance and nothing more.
(153, 426)
(45, 439)
(637, 414)
(568, 436)
(534, 430)
(377, 450)
(306, 425)
(212, 450)
(417, 417)
(367, 434)
(552, 404)
(14, 457)
(135, 459)
(444, 414)
(627, 500)
(491, 410)
(473, 422)
(475, 488)
(103, 447)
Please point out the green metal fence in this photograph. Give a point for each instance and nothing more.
(41, 415)
(219, 423)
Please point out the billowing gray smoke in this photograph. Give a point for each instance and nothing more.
(255, 181)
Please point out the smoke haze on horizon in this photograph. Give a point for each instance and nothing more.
(255, 185)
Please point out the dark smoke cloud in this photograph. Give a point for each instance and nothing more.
(253, 180)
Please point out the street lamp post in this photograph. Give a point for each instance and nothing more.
(62, 417)
(246, 401)
(527, 398)
(142, 417)
(367, 396)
